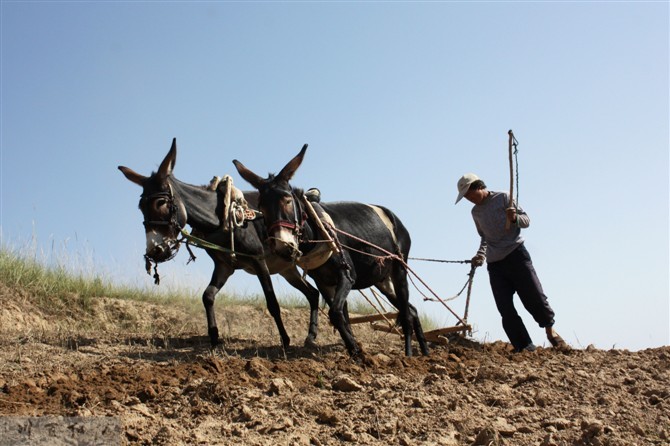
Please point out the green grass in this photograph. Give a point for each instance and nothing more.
(33, 275)
(57, 287)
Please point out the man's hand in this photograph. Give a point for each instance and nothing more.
(478, 260)
(511, 214)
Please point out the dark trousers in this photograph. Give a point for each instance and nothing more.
(515, 273)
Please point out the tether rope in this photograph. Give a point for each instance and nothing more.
(196, 241)
(392, 256)
(439, 260)
(468, 283)
(380, 312)
(204, 244)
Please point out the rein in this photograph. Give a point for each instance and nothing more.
(399, 258)
(204, 244)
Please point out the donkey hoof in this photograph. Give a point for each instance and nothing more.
(310, 343)
(215, 343)
(358, 355)
(213, 333)
(286, 342)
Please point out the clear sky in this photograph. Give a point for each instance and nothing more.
(396, 99)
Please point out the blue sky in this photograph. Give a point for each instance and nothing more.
(396, 100)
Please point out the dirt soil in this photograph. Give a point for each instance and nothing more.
(150, 367)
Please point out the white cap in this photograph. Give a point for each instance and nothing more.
(464, 184)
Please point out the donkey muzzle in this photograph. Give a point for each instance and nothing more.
(160, 253)
(286, 249)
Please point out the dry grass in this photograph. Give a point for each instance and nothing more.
(65, 302)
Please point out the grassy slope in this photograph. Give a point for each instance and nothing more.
(59, 293)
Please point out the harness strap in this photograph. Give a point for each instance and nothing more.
(204, 244)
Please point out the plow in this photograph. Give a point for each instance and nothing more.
(384, 321)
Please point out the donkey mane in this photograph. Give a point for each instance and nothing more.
(298, 191)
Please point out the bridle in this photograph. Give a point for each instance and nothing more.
(295, 227)
(172, 223)
(299, 217)
(171, 205)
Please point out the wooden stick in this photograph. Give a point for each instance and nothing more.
(386, 329)
(372, 318)
(447, 330)
(467, 299)
(508, 223)
(438, 340)
(432, 336)
(317, 220)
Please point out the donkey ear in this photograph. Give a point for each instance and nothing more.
(132, 175)
(289, 169)
(248, 175)
(168, 163)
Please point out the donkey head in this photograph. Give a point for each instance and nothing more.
(282, 211)
(164, 214)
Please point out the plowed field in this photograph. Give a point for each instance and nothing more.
(150, 367)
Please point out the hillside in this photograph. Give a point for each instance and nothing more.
(149, 367)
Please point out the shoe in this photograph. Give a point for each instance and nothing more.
(557, 341)
(529, 348)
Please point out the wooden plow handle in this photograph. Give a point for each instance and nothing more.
(508, 223)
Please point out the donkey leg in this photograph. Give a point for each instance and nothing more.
(294, 278)
(271, 300)
(338, 318)
(411, 316)
(388, 289)
(219, 277)
(418, 330)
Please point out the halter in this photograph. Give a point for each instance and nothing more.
(297, 224)
(172, 223)
(172, 206)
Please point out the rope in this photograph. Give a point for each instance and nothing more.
(439, 260)
(204, 244)
(468, 285)
(380, 312)
(392, 256)
(378, 299)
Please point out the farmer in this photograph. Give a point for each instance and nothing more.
(509, 264)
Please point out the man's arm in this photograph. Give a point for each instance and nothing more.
(518, 216)
(480, 257)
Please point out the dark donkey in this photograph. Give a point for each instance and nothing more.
(168, 205)
(357, 266)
